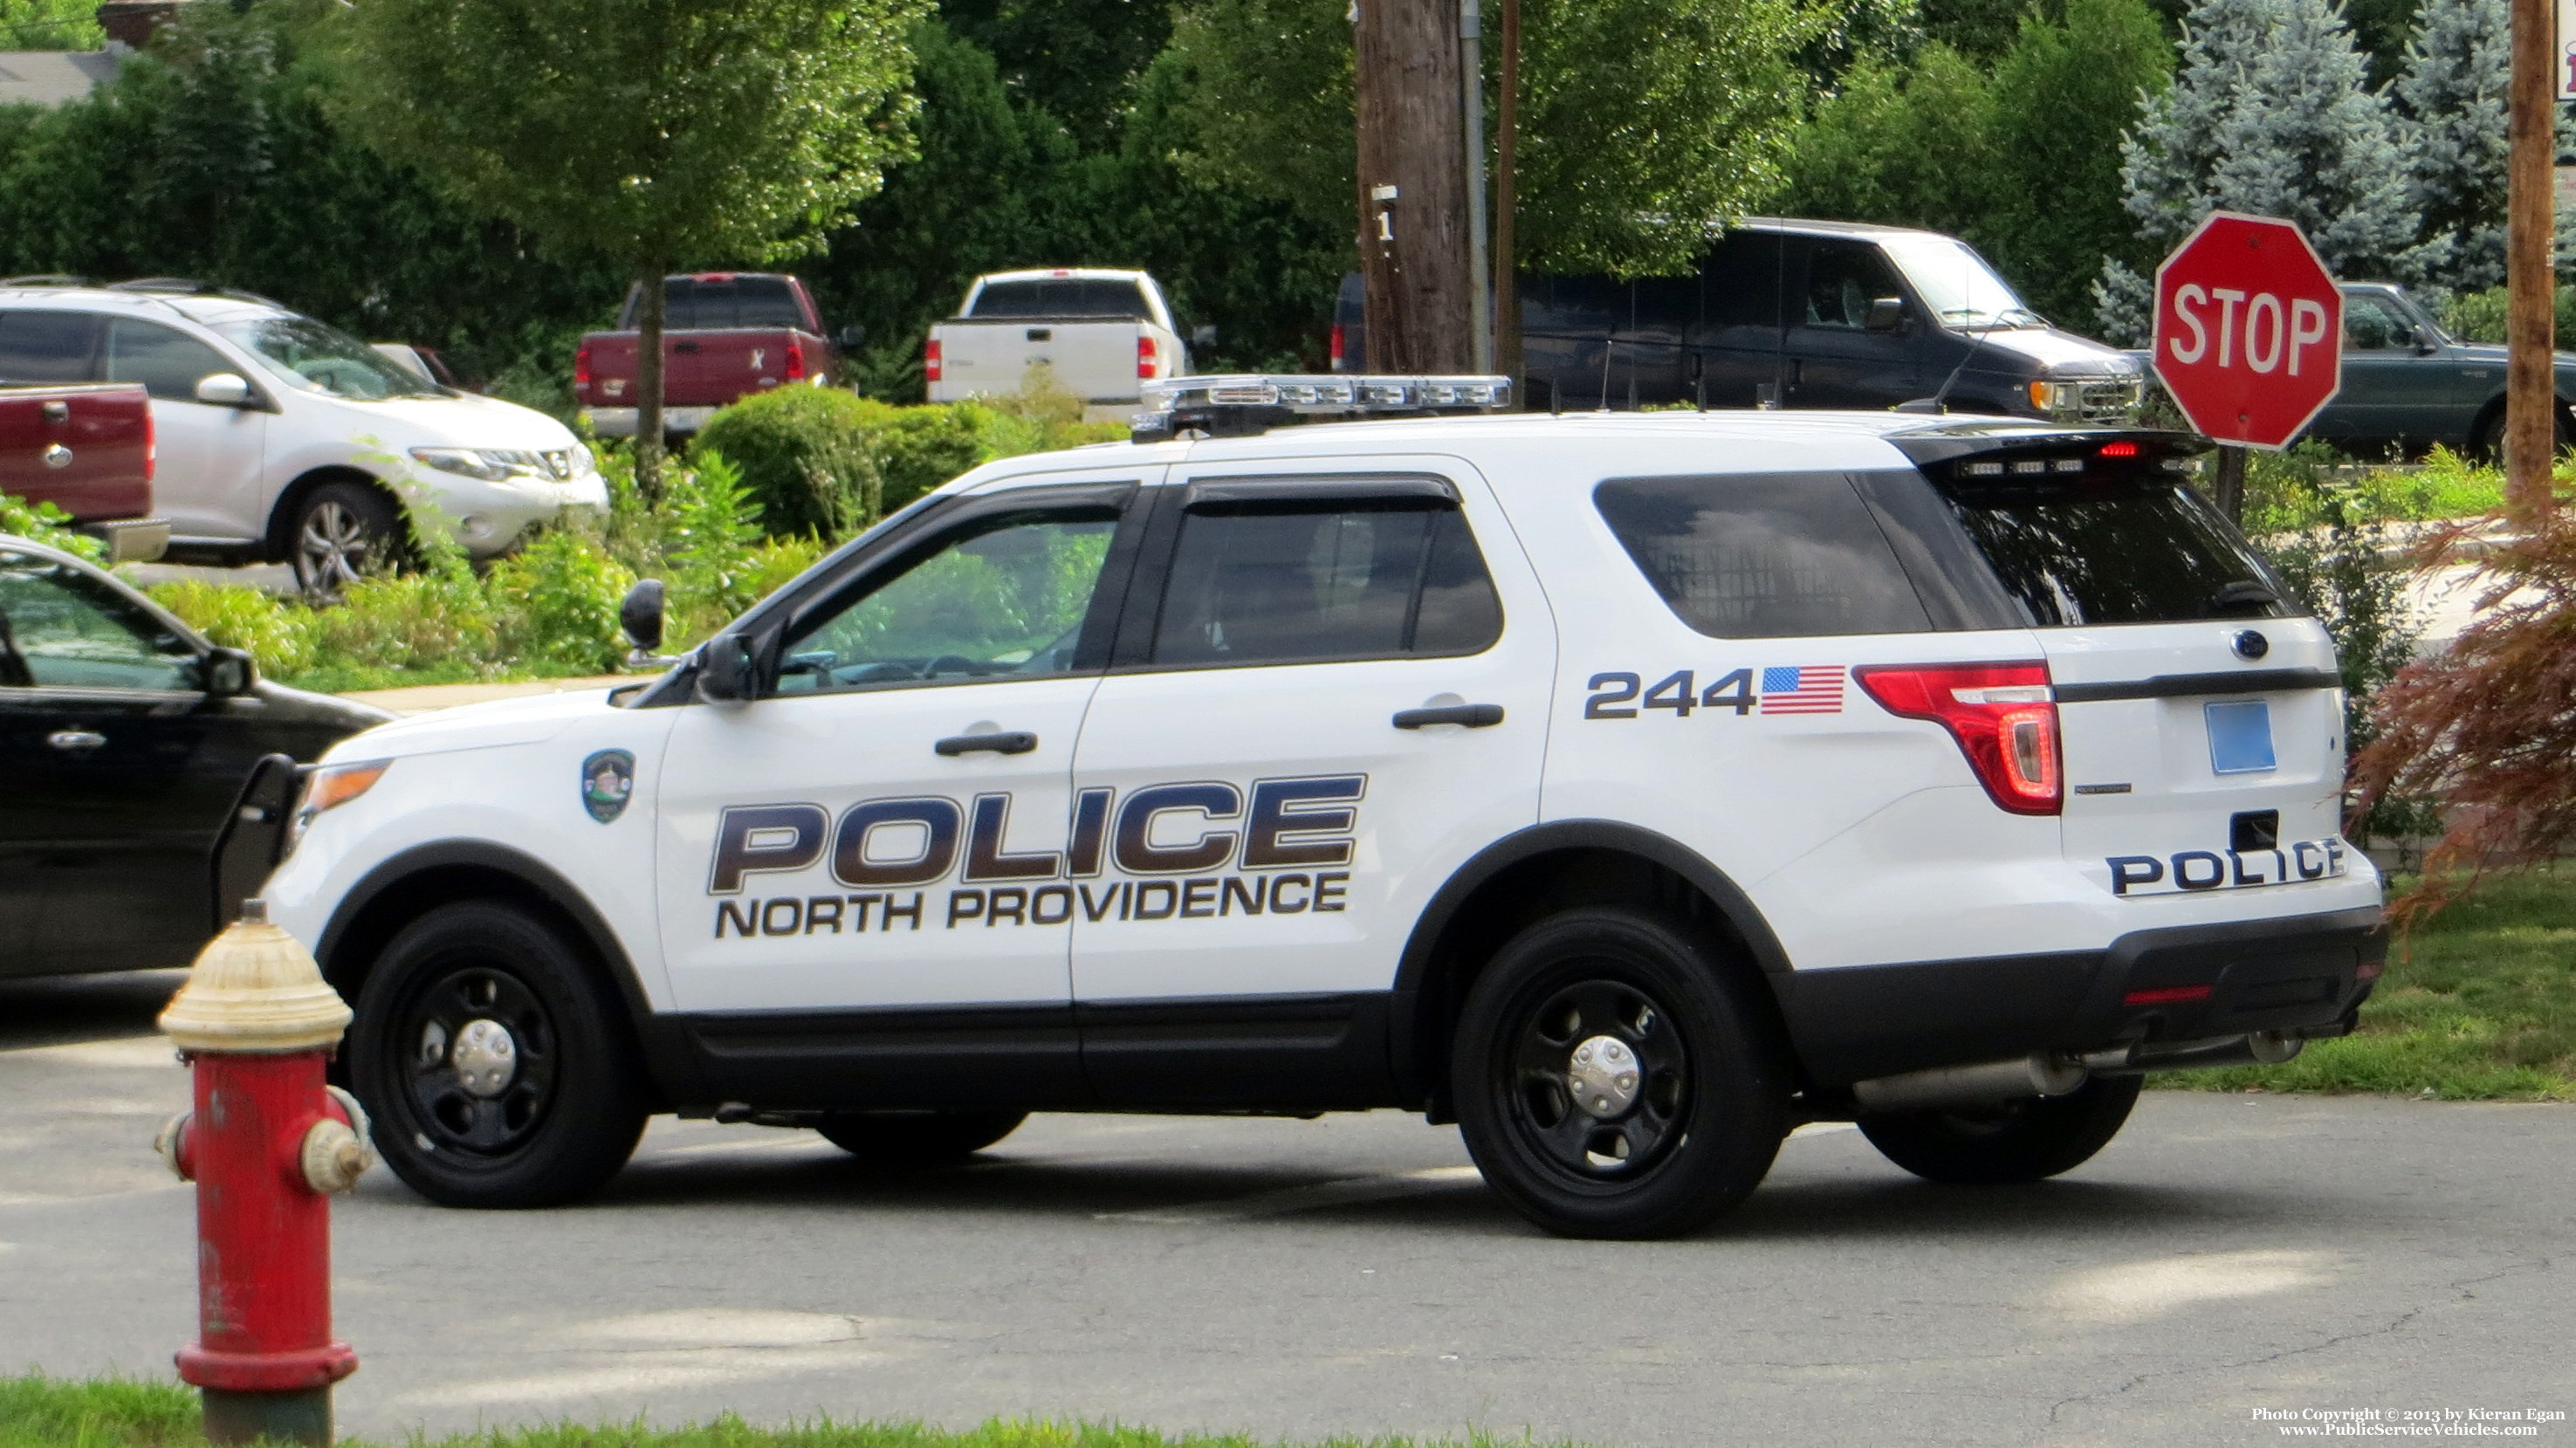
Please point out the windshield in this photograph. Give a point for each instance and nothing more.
(1957, 284)
(323, 359)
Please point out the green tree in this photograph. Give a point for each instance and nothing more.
(657, 132)
(1902, 145)
(1642, 124)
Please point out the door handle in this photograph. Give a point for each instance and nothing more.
(1474, 716)
(1017, 741)
(75, 741)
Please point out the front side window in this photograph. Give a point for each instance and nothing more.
(323, 359)
(48, 347)
(2372, 325)
(1843, 278)
(1325, 580)
(61, 628)
(168, 362)
(1789, 555)
(1005, 599)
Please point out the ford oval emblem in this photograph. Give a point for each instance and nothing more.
(2251, 644)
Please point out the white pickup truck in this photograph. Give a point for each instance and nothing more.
(1104, 334)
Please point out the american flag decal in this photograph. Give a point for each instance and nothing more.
(1804, 690)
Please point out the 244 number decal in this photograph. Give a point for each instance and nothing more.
(1771, 689)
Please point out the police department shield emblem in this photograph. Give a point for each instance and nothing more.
(607, 780)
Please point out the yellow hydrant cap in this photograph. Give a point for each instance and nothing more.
(255, 989)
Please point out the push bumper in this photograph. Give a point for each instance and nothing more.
(2186, 983)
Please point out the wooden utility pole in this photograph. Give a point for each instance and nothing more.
(1412, 187)
(1506, 277)
(2531, 399)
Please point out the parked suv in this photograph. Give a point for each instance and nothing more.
(1804, 314)
(285, 440)
(1626, 789)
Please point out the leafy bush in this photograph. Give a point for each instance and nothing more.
(918, 448)
(568, 589)
(276, 632)
(804, 455)
(47, 524)
(2479, 316)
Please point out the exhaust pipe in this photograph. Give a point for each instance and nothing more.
(1989, 1084)
(2262, 1048)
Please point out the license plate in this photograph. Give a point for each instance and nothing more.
(2240, 736)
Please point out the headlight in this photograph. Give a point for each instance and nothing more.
(328, 788)
(492, 465)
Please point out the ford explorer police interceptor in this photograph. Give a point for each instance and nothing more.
(1625, 788)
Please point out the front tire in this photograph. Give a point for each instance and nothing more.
(495, 1062)
(1610, 1079)
(2018, 1141)
(913, 1139)
(341, 532)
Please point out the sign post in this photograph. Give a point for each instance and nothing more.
(2248, 338)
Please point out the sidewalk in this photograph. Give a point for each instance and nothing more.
(426, 698)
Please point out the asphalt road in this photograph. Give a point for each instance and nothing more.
(2227, 1254)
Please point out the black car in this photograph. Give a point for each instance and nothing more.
(1805, 314)
(127, 745)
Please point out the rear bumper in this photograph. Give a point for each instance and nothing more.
(620, 421)
(132, 540)
(2185, 983)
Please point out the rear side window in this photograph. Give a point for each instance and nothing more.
(1062, 297)
(48, 347)
(2116, 551)
(1780, 555)
(1359, 579)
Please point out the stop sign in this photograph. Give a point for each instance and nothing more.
(2249, 330)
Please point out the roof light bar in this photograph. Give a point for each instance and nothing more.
(1241, 404)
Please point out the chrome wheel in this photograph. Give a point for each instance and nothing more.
(344, 532)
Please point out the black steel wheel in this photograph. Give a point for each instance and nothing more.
(1609, 1080)
(495, 1063)
(917, 1138)
(2017, 1141)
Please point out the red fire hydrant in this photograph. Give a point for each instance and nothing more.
(267, 1145)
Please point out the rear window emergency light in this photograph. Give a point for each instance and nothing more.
(1242, 405)
(2005, 456)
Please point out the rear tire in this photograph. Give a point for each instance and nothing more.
(2018, 1141)
(495, 1062)
(1611, 1081)
(2488, 444)
(917, 1138)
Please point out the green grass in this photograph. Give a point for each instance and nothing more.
(2478, 1005)
(42, 1412)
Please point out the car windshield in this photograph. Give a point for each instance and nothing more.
(323, 359)
(1957, 284)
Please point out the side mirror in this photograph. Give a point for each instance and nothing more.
(228, 672)
(224, 389)
(1203, 336)
(725, 669)
(1886, 314)
(850, 338)
(639, 616)
(2425, 345)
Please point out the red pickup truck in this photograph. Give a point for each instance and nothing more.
(725, 336)
(87, 449)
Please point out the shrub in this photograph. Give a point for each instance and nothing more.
(804, 455)
(276, 632)
(47, 524)
(566, 588)
(918, 448)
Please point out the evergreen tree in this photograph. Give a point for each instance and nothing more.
(2271, 114)
(2452, 94)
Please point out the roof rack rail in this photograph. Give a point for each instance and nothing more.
(1248, 403)
(45, 279)
(188, 287)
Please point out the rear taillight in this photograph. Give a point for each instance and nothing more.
(930, 360)
(2001, 714)
(581, 366)
(1145, 355)
(795, 359)
(1337, 346)
(151, 446)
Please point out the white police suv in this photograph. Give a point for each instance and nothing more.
(1625, 788)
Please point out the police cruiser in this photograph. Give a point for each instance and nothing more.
(1627, 789)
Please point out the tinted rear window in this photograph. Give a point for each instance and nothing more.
(1792, 555)
(692, 304)
(1061, 297)
(2116, 552)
